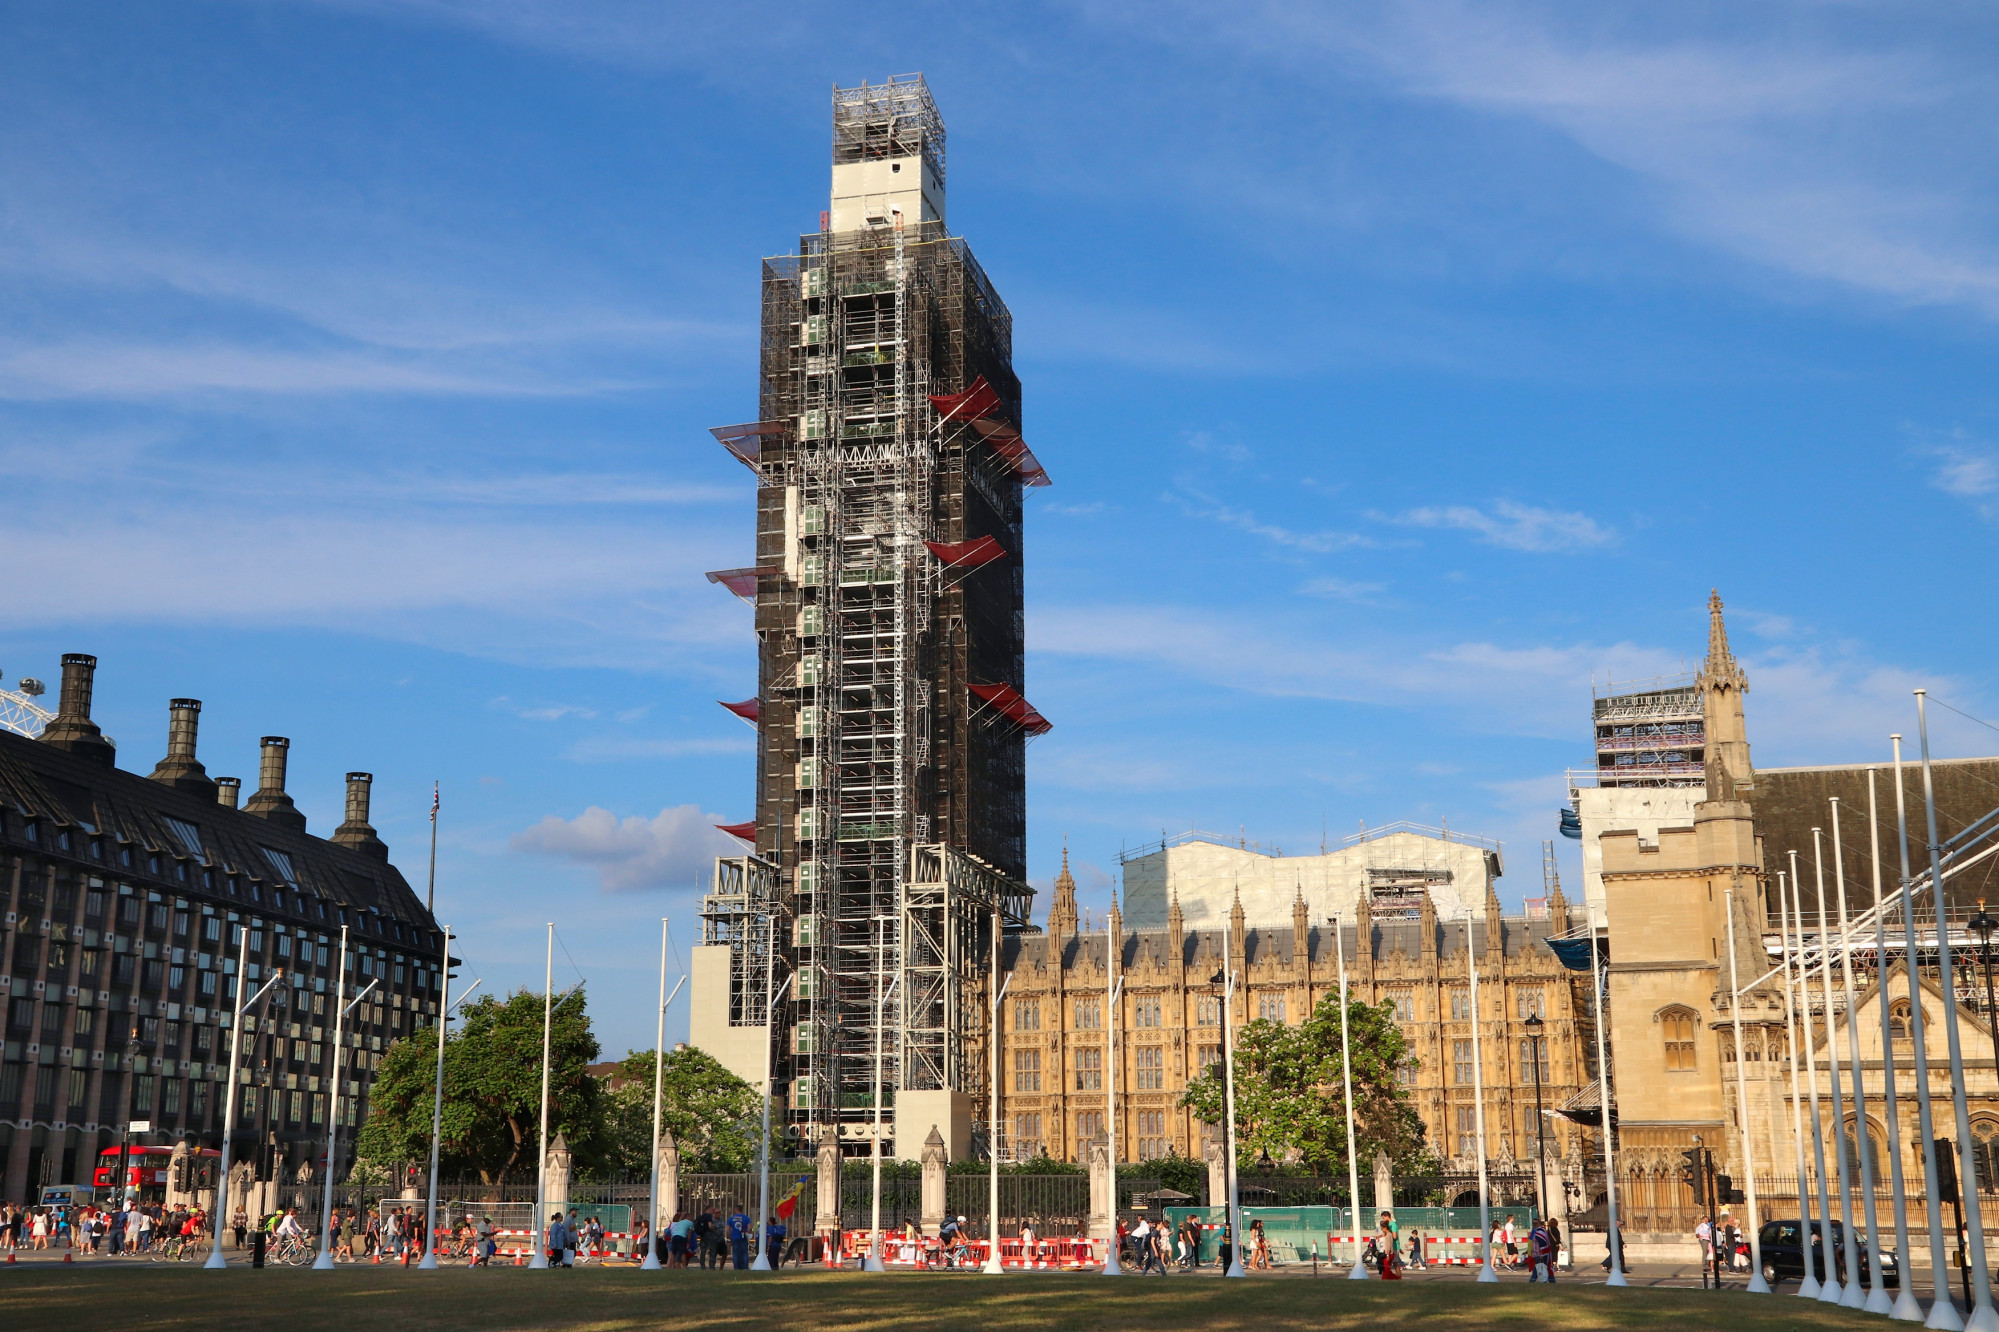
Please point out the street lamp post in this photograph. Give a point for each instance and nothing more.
(1984, 927)
(232, 1093)
(1534, 1025)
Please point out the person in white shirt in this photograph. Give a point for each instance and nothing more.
(289, 1227)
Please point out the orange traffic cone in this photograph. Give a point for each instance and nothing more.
(65, 1255)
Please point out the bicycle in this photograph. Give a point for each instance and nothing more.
(293, 1252)
(939, 1257)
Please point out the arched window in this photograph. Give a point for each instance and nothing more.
(1677, 1031)
(1874, 1148)
(1899, 1025)
(1985, 1142)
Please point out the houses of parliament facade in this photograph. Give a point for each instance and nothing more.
(1057, 1022)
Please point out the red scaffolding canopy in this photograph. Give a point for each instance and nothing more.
(974, 402)
(746, 441)
(743, 582)
(1007, 701)
(967, 554)
(1008, 444)
(750, 709)
(746, 831)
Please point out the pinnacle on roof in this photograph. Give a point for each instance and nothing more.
(1720, 670)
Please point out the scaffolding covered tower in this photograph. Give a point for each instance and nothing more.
(891, 785)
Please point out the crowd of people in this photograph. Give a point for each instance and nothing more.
(142, 1230)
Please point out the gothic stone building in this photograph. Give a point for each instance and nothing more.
(127, 900)
(1168, 1019)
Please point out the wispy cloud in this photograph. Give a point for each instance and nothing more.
(1340, 589)
(612, 749)
(1196, 505)
(633, 854)
(1811, 139)
(1515, 526)
(1967, 468)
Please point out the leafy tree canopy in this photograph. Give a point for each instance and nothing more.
(492, 1091)
(714, 1115)
(1290, 1101)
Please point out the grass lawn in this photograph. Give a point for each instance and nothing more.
(386, 1300)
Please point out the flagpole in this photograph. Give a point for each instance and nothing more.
(1906, 1308)
(540, 1258)
(1829, 1288)
(430, 903)
(993, 1265)
(1358, 1272)
(1849, 1294)
(651, 1263)
(1795, 1016)
(1485, 1271)
(429, 1263)
(1876, 1300)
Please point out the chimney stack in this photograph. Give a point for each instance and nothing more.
(227, 789)
(180, 769)
(72, 729)
(355, 832)
(269, 800)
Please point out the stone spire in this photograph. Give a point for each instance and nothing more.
(1495, 929)
(1722, 685)
(1062, 911)
(1362, 963)
(1116, 923)
(1238, 936)
(1301, 937)
(1426, 930)
(1176, 923)
(1558, 906)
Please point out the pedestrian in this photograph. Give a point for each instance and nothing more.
(774, 1233)
(1391, 1261)
(1259, 1247)
(1415, 1247)
(1613, 1247)
(1730, 1236)
(1704, 1235)
(703, 1225)
(1228, 1248)
(1149, 1249)
(1496, 1247)
(738, 1227)
(717, 1255)
(1540, 1254)
(1511, 1239)
(1555, 1241)
(557, 1240)
(678, 1234)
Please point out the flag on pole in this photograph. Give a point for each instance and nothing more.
(435, 789)
(789, 1203)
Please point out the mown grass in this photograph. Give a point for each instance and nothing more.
(600, 1300)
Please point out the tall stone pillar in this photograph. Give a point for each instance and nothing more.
(669, 1181)
(1215, 1152)
(1103, 1191)
(176, 1168)
(1384, 1184)
(933, 1182)
(559, 1162)
(828, 1221)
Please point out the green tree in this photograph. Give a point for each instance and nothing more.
(492, 1091)
(714, 1115)
(1289, 1098)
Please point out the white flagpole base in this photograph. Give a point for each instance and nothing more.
(1983, 1319)
(539, 1261)
(1878, 1301)
(993, 1266)
(1616, 1278)
(1944, 1316)
(1485, 1273)
(323, 1263)
(429, 1263)
(1808, 1289)
(1832, 1293)
(1853, 1297)
(1235, 1268)
(762, 1264)
(1111, 1267)
(651, 1264)
(215, 1260)
(1908, 1309)
(1757, 1285)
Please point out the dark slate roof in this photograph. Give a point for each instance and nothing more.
(59, 788)
(1789, 802)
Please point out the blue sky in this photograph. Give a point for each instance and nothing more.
(1399, 366)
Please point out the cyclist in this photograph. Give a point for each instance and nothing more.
(951, 1239)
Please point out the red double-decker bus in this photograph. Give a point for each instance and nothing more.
(145, 1168)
